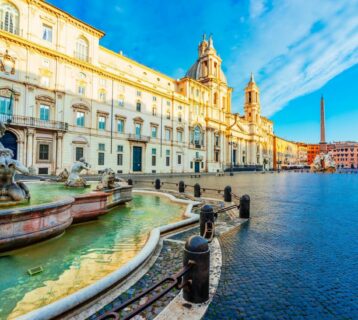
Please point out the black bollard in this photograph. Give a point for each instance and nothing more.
(227, 194)
(181, 186)
(206, 215)
(245, 207)
(130, 182)
(197, 252)
(157, 184)
(197, 192)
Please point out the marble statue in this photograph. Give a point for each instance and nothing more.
(323, 163)
(74, 179)
(11, 190)
(62, 176)
(109, 180)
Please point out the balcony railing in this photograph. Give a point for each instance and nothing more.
(25, 121)
(138, 138)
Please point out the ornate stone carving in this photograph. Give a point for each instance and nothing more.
(74, 179)
(7, 63)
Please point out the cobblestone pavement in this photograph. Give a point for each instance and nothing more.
(168, 262)
(297, 258)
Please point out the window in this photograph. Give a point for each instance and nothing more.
(80, 119)
(167, 134)
(179, 117)
(154, 110)
(191, 164)
(168, 103)
(138, 106)
(102, 123)
(120, 125)
(154, 157)
(180, 136)
(217, 140)
(81, 49)
(168, 114)
(5, 105)
(197, 136)
(154, 132)
(79, 153)
(81, 90)
(121, 102)
(167, 158)
(179, 158)
(44, 152)
(216, 156)
(100, 158)
(44, 112)
(9, 18)
(138, 129)
(139, 93)
(120, 155)
(45, 81)
(101, 148)
(154, 98)
(47, 33)
(102, 95)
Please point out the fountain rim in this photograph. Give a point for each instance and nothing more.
(70, 302)
(37, 207)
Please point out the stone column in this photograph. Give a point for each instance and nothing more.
(30, 147)
(59, 159)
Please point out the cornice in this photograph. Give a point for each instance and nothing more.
(83, 65)
(66, 16)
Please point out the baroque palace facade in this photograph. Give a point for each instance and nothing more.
(65, 97)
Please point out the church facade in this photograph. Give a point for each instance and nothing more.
(65, 97)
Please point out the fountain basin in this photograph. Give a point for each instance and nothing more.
(23, 226)
(118, 195)
(89, 206)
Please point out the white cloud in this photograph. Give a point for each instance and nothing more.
(257, 7)
(289, 58)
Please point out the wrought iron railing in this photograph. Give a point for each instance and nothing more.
(176, 281)
(34, 122)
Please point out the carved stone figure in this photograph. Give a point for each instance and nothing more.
(74, 179)
(63, 176)
(108, 180)
(10, 190)
(323, 163)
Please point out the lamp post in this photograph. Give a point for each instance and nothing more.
(231, 165)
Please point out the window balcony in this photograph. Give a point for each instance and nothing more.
(138, 138)
(24, 121)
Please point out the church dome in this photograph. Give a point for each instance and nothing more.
(196, 70)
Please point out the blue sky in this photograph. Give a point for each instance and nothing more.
(297, 50)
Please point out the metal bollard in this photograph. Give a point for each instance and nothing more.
(197, 192)
(206, 215)
(245, 207)
(157, 184)
(130, 182)
(227, 194)
(181, 186)
(197, 252)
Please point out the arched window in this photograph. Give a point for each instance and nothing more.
(82, 49)
(197, 137)
(9, 18)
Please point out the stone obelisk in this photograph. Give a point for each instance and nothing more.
(323, 144)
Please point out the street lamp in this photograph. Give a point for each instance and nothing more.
(231, 145)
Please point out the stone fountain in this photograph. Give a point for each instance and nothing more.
(11, 191)
(324, 162)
